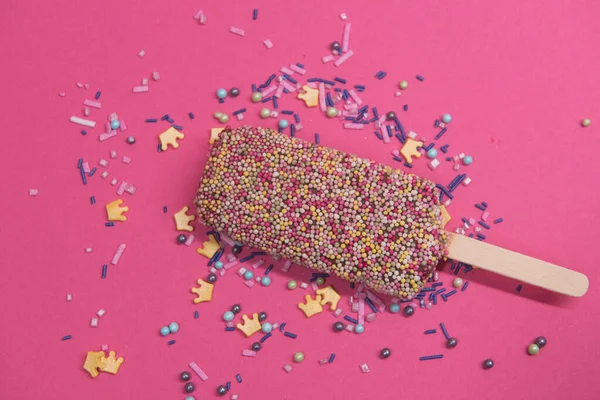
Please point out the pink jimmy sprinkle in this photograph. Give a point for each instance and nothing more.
(107, 127)
(360, 296)
(126, 159)
(441, 125)
(145, 81)
(201, 374)
(86, 111)
(269, 90)
(250, 284)
(62, 94)
(142, 53)
(105, 136)
(92, 103)
(350, 328)
(202, 19)
(360, 287)
(240, 116)
(86, 167)
(352, 106)
(274, 114)
(386, 138)
(104, 347)
(87, 86)
(287, 368)
(230, 242)
(69, 297)
(356, 98)
(412, 135)
(485, 216)
(79, 85)
(222, 273)
(349, 113)
(350, 300)
(94, 322)
(237, 31)
(304, 285)
(140, 89)
(230, 324)
(361, 311)
(118, 254)
(257, 278)
(33, 192)
(371, 317)
(198, 14)
(343, 58)
(113, 117)
(299, 127)
(268, 44)
(113, 154)
(398, 94)
(288, 86)
(355, 307)
(156, 76)
(241, 271)
(121, 188)
(248, 353)
(279, 91)
(343, 16)
(314, 286)
(257, 263)
(102, 162)
(297, 69)
(364, 368)
(338, 312)
(286, 70)
(101, 312)
(323, 361)
(104, 175)
(230, 264)
(374, 298)
(466, 182)
(346, 37)
(327, 58)
(122, 125)
(322, 103)
(88, 249)
(286, 266)
(353, 126)
(230, 257)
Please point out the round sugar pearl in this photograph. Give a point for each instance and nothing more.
(320, 280)
(533, 349)
(586, 122)
(409, 310)
(189, 387)
(219, 265)
(292, 285)
(181, 238)
(390, 115)
(228, 316)
(446, 118)
(217, 115)
(267, 327)
(185, 376)
(283, 123)
(164, 331)
(541, 341)
(222, 390)
(173, 327)
(394, 307)
(403, 85)
(265, 281)
(256, 346)
(338, 326)
(331, 112)
(489, 363)
(359, 329)
(221, 93)
(234, 92)
(451, 343)
(237, 249)
(211, 278)
(468, 160)
(298, 357)
(262, 316)
(224, 118)
(265, 113)
(130, 140)
(458, 282)
(336, 46)
(432, 153)
(256, 97)
(385, 353)
(236, 308)
(115, 124)
(248, 275)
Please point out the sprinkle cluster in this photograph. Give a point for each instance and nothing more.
(325, 209)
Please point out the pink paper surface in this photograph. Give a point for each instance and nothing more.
(517, 77)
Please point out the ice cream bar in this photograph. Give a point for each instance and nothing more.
(341, 214)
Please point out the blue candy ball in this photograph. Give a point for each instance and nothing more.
(173, 327)
(115, 124)
(359, 329)
(265, 281)
(394, 307)
(248, 275)
(283, 123)
(267, 327)
(446, 118)
(228, 316)
(164, 331)
(189, 398)
(221, 93)
(467, 160)
(218, 265)
(432, 153)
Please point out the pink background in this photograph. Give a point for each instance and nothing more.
(517, 78)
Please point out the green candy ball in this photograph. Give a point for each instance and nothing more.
(256, 97)
(292, 285)
(332, 112)
(224, 118)
(586, 122)
(218, 115)
(298, 357)
(403, 85)
(533, 349)
(320, 281)
(265, 113)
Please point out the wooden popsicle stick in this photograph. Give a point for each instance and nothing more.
(517, 266)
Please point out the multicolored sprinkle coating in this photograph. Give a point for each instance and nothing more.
(325, 209)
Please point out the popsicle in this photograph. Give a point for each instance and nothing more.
(345, 215)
